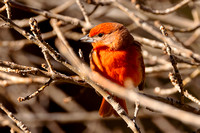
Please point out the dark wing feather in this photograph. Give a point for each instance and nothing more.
(141, 85)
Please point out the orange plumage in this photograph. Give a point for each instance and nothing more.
(116, 56)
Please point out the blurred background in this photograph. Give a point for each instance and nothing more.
(73, 108)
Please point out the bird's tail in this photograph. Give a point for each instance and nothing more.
(107, 110)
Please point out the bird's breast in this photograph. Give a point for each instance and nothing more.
(118, 65)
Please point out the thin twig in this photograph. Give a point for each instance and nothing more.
(46, 46)
(194, 74)
(153, 59)
(2, 8)
(194, 11)
(165, 68)
(36, 32)
(147, 27)
(180, 51)
(41, 18)
(174, 29)
(21, 69)
(175, 103)
(163, 91)
(8, 9)
(99, 2)
(17, 66)
(95, 8)
(185, 93)
(23, 127)
(137, 104)
(174, 64)
(19, 44)
(80, 4)
(13, 80)
(135, 115)
(161, 12)
(138, 21)
(21, 99)
(48, 14)
(173, 90)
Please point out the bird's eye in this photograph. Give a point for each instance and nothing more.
(100, 34)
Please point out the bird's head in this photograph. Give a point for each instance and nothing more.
(108, 35)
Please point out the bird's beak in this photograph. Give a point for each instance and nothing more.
(87, 39)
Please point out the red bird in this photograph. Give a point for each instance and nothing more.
(117, 56)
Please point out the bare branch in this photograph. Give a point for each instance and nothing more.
(47, 14)
(80, 4)
(161, 12)
(8, 9)
(174, 64)
(23, 127)
(21, 99)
